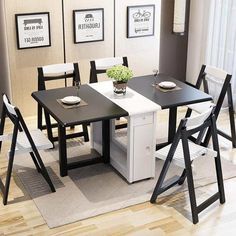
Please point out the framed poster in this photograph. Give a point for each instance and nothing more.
(33, 30)
(140, 21)
(88, 25)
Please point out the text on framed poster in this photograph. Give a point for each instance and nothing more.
(140, 21)
(88, 25)
(33, 30)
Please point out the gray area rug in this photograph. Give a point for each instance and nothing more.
(96, 189)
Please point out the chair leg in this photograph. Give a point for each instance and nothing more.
(35, 162)
(49, 126)
(8, 178)
(85, 131)
(231, 116)
(191, 191)
(182, 177)
(160, 181)
(220, 181)
(189, 175)
(44, 171)
(39, 118)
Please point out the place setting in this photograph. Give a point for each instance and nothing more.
(72, 101)
(167, 86)
(164, 86)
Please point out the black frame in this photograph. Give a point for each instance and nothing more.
(19, 126)
(128, 19)
(74, 24)
(42, 79)
(226, 90)
(182, 135)
(17, 29)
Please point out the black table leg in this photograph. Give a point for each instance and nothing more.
(106, 140)
(62, 150)
(172, 123)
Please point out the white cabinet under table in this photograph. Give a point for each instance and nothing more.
(132, 150)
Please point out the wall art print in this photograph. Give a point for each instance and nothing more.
(140, 21)
(33, 30)
(88, 25)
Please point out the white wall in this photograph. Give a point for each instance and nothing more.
(143, 52)
(197, 38)
(23, 63)
(84, 52)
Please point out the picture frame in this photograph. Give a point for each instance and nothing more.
(140, 21)
(33, 30)
(88, 25)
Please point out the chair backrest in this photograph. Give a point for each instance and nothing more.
(57, 72)
(192, 125)
(197, 124)
(198, 120)
(19, 125)
(99, 66)
(15, 116)
(217, 76)
(10, 108)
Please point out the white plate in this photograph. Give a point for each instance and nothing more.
(167, 84)
(71, 100)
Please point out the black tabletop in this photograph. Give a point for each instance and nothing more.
(98, 108)
(185, 95)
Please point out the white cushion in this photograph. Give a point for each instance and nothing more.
(201, 106)
(106, 63)
(178, 159)
(40, 140)
(58, 68)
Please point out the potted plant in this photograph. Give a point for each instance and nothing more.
(120, 75)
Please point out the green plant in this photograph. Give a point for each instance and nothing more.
(120, 73)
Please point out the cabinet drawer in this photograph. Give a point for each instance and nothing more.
(143, 119)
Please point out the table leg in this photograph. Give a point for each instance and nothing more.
(62, 150)
(172, 123)
(48, 126)
(106, 140)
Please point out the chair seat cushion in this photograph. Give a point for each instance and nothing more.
(40, 141)
(178, 159)
(201, 106)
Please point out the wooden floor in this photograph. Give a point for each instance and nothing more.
(164, 218)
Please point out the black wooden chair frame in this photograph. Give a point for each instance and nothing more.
(19, 126)
(184, 134)
(226, 89)
(94, 72)
(42, 86)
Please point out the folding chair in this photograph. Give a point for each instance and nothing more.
(99, 66)
(183, 152)
(22, 141)
(220, 77)
(58, 72)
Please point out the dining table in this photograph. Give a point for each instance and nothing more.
(182, 94)
(96, 108)
(140, 104)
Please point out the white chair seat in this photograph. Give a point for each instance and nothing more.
(201, 106)
(40, 141)
(178, 159)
